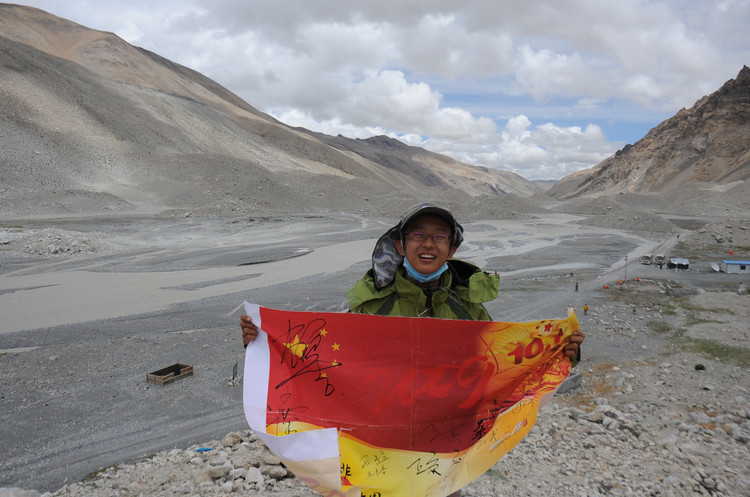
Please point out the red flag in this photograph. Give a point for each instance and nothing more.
(424, 392)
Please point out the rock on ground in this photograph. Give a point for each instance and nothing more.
(674, 424)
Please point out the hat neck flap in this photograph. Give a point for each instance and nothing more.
(385, 258)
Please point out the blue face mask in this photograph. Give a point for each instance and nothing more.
(421, 277)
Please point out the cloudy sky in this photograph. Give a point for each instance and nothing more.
(542, 88)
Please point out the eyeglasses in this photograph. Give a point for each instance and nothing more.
(418, 236)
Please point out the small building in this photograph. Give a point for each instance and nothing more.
(678, 263)
(735, 266)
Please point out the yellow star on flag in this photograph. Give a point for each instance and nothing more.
(296, 347)
(336, 346)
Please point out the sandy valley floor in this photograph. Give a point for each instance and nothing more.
(89, 307)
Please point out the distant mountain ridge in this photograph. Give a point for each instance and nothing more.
(85, 114)
(708, 143)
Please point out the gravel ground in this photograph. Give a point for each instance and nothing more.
(673, 422)
(663, 408)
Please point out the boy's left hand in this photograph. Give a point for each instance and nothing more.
(573, 348)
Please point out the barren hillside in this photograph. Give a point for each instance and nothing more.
(90, 122)
(708, 143)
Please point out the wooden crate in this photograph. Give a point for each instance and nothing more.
(169, 374)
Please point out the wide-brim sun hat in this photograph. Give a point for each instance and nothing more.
(386, 259)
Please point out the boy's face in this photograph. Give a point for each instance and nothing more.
(427, 256)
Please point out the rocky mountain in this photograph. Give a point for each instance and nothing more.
(708, 143)
(89, 122)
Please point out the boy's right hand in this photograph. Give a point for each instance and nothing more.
(249, 330)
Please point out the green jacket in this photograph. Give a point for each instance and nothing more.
(462, 291)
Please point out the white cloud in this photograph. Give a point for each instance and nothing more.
(425, 49)
(547, 150)
(544, 73)
(438, 74)
(641, 88)
(543, 152)
(388, 99)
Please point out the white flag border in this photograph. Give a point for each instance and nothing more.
(302, 446)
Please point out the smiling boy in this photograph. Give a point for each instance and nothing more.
(414, 274)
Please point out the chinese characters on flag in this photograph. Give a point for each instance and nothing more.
(388, 406)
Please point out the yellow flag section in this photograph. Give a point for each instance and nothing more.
(387, 406)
